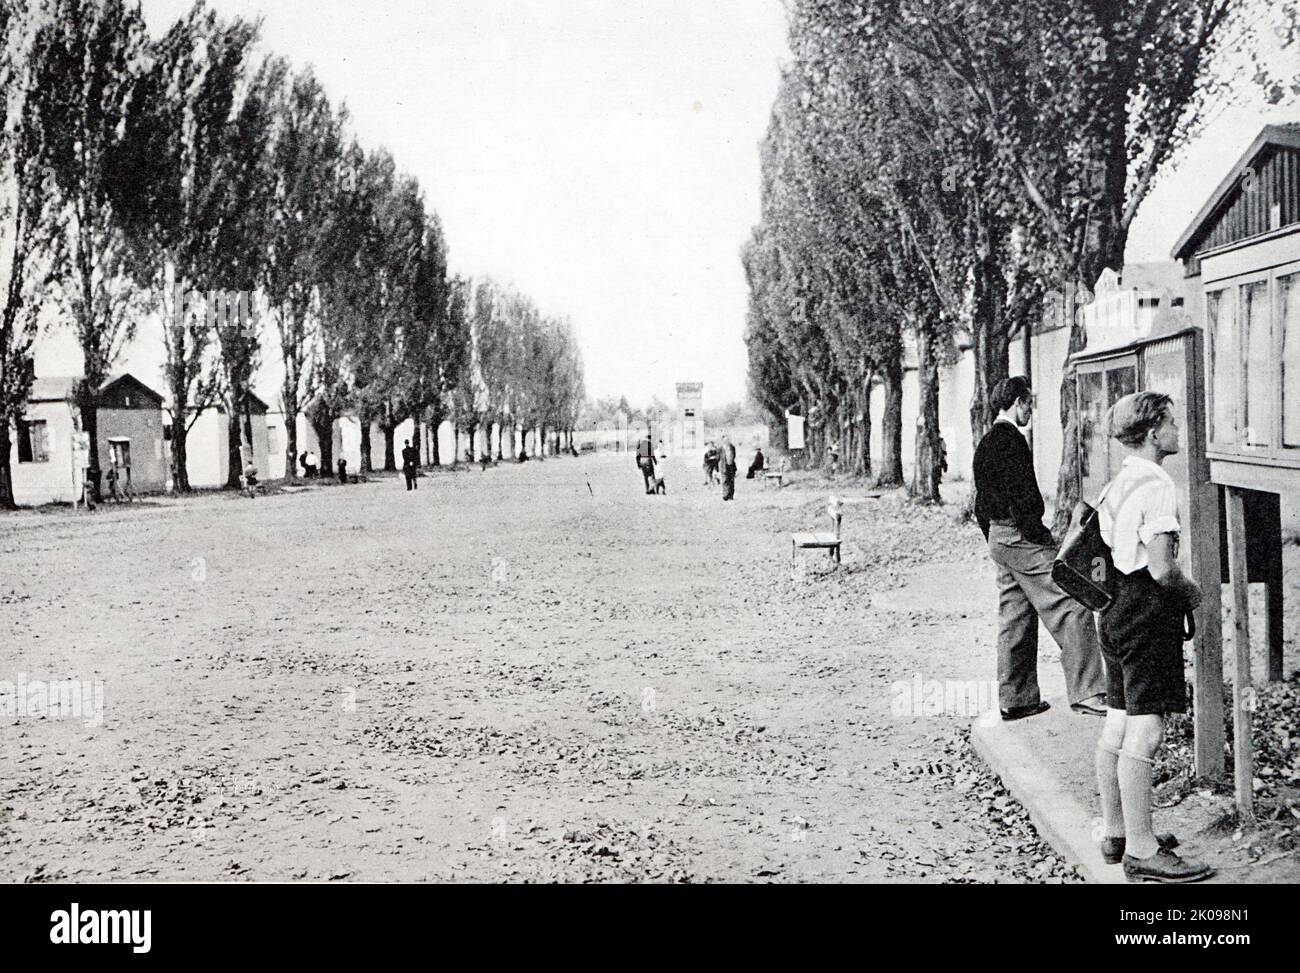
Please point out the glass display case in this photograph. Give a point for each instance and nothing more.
(1171, 363)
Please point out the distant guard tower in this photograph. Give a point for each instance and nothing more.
(688, 425)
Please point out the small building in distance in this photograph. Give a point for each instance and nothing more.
(207, 445)
(130, 420)
(688, 422)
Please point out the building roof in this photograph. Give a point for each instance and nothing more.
(59, 388)
(1271, 136)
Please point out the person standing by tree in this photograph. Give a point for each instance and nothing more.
(1009, 508)
(1142, 638)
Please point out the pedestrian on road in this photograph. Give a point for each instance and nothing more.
(710, 463)
(727, 460)
(1142, 638)
(645, 461)
(1009, 509)
(410, 468)
(310, 464)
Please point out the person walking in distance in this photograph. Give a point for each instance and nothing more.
(1009, 509)
(645, 461)
(727, 461)
(1142, 638)
(409, 467)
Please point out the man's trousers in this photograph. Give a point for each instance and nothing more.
(1027, 593)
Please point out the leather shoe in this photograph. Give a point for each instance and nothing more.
(1164, 866)
(1112, 849)
(1020, 712)
(1093, 705)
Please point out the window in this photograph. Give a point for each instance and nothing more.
(1221, 316)
(33, 441)
(1288, 304)
(1092, 434)
(119, 452)
(1121, 380)
(1257, 367)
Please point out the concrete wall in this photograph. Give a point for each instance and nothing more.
(52, 481)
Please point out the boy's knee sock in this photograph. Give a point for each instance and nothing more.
(1112, 813)
(1134, 774)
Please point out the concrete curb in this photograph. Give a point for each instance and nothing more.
(1062, 821)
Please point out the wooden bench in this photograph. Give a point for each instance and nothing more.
(775, 476)
(816, 540)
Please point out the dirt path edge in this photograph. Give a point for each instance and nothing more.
(1061, 820)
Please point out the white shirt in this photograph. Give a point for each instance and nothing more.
(1139, 503)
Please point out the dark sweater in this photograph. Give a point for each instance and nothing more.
(1005, 485)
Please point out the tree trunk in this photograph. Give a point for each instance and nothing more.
(247, 418)
(891, 427)
(862, 461)
(455, 443)
(234, 461)
(6, 470)
(390, 456)
(990, 343)
(323, 425)
(1067, 482)
(180, 456)
(292, 403)
(291, 445)
(87, 406)
(927, 470)
(366, 465)
(415, 438)
(435, 424)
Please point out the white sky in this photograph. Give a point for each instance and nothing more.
(600, 154)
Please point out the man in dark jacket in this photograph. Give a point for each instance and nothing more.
(409, 468)
(645, 461)
(1009, 509)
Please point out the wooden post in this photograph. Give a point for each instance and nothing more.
(1270, 504)
(1201, 540)
(1242, 693)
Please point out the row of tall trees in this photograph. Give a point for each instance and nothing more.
(525, 376)
(940, 174)
(197, 181)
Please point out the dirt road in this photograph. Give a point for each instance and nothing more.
(530, 673)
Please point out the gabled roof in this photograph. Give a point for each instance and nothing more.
(1272, 135)
(126, 384)
(58, 388)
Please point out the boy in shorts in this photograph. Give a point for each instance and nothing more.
(1142, 638)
